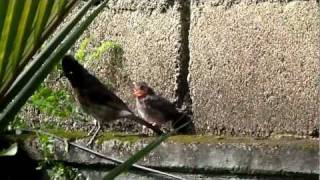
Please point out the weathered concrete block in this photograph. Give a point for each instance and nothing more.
(201, 155)
(255, 66)
(149, 34)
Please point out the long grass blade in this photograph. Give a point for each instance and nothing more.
(27, 14)
(45, 69)
(140, 154)
(56, 10)
(30, 48)
(3, 11)
(9, 34)
(43, 14)
(29, 25)
(11, 151)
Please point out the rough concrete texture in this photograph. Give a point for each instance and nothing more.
(291, 157)
(254, 66)
(149, 34)
(96, 174)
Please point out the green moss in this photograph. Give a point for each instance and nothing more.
(306, 144)
(67, 134)
(309, 146)
(119, 136)
(187, 139)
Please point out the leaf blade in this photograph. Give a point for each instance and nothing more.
(9, 34)
(13, 108)
(11, 151)
(25, 75)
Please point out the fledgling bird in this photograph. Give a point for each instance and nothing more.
(95, 98)
(158, 110)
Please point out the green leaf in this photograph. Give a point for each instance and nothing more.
(3, 11)
(43, 14)
(21, 54)
(8, 35)
(26, 27)
(37, 78)
(11, 151)
(25, 75)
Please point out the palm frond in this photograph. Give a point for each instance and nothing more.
(11, 101)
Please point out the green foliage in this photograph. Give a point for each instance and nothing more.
(106, 45)
(46, 147)
(24, 26)
(82, 51)
(56, 170)
(30, 79)
(60, 171)
(56, 103)
(17, 123)
(96, 53)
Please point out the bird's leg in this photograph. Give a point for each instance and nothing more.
(141, 121)
(93, 128)
(145, 130)
(95, 134)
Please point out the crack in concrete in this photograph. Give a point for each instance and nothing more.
(182, 91)
(184, 100)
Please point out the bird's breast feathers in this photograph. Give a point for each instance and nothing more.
(149, 114)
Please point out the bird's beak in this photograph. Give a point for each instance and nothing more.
(136, 92)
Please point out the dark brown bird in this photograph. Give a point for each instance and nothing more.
(95, 98)
(158, 110)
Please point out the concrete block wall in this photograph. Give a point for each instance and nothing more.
(241, 67)
(255, 66)
(149, 33)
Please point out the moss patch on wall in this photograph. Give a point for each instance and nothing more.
(305, 144)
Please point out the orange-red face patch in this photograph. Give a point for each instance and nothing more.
(139, 92)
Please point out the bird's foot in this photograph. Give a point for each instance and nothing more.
(90, 142)
(94, 135)
(145, 131)
(93, 128)
(90, 132)
(148, 132)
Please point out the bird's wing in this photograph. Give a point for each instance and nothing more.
(99, 94)
(162, 105)
(171, 113)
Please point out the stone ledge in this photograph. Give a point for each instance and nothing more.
(203, 154)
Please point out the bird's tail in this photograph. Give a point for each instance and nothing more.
(145, 123)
